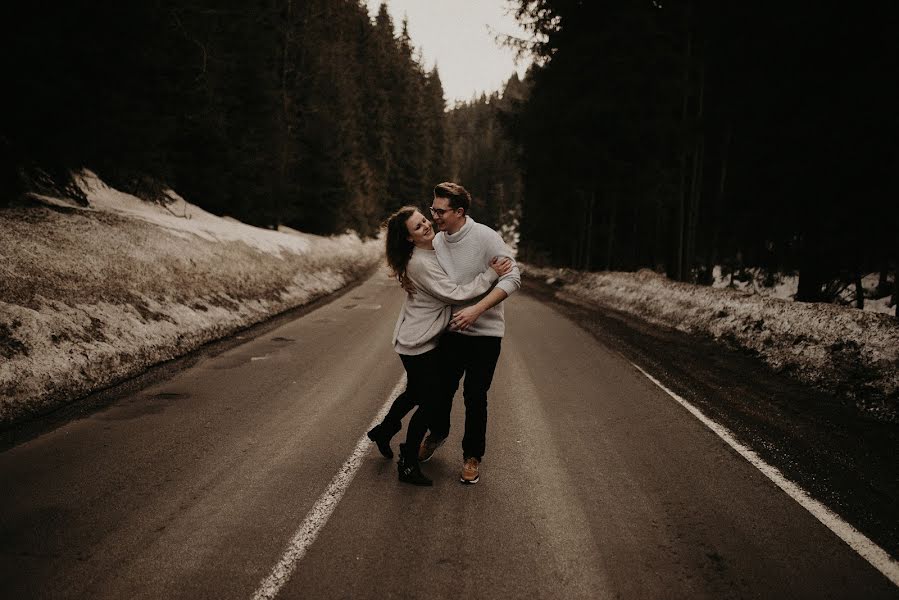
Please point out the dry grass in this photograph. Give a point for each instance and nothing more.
(843, 350)
(89, 297)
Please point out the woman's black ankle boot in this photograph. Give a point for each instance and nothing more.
(409, 471)
(381, 437)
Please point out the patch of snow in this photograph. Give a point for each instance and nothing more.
(91, 296)
(752, 281)
(880, 305)
(188, 219)
(850, 352)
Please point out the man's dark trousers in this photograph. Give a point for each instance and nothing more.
(475, 357)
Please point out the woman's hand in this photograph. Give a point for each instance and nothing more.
(465, 318)
(501, 264)
(408, 286)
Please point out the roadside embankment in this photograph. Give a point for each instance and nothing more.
(90, 296)
(842, 350)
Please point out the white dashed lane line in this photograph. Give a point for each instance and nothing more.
(320, 512)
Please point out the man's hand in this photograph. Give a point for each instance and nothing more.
(465, 318)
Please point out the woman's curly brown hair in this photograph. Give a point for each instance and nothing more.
(399, 248)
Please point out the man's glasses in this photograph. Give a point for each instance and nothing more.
(438, 212)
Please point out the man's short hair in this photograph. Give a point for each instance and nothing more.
(457, 195)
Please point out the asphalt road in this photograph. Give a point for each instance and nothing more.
(596, 484)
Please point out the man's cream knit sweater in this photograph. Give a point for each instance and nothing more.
(464, 255)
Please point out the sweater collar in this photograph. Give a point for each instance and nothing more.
(455, 237)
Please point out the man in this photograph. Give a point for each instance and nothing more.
(464, 249)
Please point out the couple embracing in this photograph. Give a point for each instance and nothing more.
(451, 325)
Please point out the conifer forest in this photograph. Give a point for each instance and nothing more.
(674, 136)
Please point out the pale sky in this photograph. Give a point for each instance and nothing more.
(454, 34)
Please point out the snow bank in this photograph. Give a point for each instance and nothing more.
(785, 285)
(92, 296)
(846, 351)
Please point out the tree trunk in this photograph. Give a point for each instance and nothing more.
(719, 205)
(588, 250)
(859, 290)
(634, 258)
(811, 274)
(681, 192)
(578, 248)
(895, 299)
(696, 179)
(679, 257)
(660, 248)
(695, 194)
(883, 285)
(610, 241)
(896, 289)
(285, 131)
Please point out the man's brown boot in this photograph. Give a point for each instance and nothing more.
(470, 472)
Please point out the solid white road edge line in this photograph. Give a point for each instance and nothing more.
(320, 512)
(871, 552)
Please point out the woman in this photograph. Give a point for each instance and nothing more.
(425, 315)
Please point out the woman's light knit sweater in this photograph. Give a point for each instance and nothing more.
(426, 313)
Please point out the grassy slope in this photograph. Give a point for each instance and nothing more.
(89, 297)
